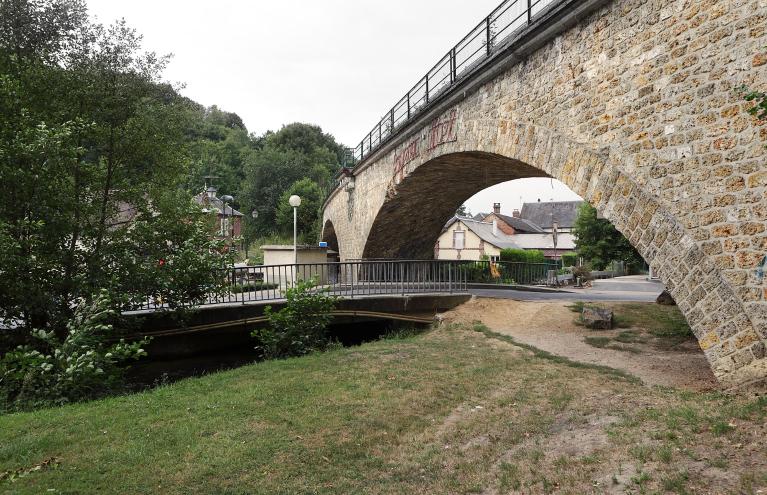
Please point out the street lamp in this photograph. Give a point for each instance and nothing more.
(295, 202)
(225, 226)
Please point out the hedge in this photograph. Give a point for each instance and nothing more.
(523, 255)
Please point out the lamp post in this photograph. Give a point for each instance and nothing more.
(295, 202)
(225, 226)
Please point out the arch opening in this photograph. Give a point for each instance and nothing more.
(408, 224)
(329, 236)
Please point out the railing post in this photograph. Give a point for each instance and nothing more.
(402, 276)
(529, 12)
(487, 33)
(452, 65)
(408, 104)
(427, 88)
(450, 277)
(391, 119)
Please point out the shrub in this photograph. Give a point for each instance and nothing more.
(252, 286)
(523, 255)
(477, 272)
(83, 365)
(569, 259)
(583, 271)
(300, 327)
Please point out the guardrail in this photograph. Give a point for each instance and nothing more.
(487, 37)
(511, 273)
(344, 279)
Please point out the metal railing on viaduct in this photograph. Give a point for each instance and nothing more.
(351, 279)
(247, 284)
(487, 38)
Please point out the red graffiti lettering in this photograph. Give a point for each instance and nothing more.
(443, 130)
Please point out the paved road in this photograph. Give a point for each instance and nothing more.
(631, 288)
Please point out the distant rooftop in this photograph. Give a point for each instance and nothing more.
(543, 214)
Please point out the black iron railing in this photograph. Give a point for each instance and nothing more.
(344, 279)
(490, 35)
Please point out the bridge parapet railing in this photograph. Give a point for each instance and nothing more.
(348, 279)
(511, 273)
(492, 34)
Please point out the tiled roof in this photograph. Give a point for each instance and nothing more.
(542, 214)
(484, 231)
(520, 224)
(203, 200)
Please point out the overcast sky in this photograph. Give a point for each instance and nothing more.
(340, 64)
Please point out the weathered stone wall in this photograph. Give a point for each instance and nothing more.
(635, 109)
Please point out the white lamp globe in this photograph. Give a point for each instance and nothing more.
(295, 201)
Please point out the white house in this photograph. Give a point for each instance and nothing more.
(470, 239)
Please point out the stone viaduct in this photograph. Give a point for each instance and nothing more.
(632, 104)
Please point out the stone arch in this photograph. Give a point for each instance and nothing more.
(412, 213)
(329, 235)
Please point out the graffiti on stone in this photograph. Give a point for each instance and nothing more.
(404, 156)
(443, 130)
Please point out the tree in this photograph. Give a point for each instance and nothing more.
(308, 213)
(297, 151)
(219, 145)
(462, 211)
(92, 141)
(39, 29)
(599, 243)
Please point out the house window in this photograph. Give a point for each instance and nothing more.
(225, 226)
(458, 237)
(495, 259)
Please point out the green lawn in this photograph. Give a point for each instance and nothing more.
(451, 411)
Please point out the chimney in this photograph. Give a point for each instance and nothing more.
(497, 208)
(495, 227)
(515, 213)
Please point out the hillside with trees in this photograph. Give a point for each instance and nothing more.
(100, 158)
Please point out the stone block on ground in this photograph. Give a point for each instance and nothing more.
(665, 299)
(597, 318)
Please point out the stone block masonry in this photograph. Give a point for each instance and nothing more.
(635, 108)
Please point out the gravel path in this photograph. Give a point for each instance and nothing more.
(549, 325)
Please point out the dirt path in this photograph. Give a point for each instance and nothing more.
(550, 326)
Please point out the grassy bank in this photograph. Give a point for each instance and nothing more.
(456, 410)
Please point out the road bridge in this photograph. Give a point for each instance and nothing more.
(630, 103)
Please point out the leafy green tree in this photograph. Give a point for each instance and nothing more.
(308, 214)
(599, 243)
(295, 152)
(92, 142)
(306, 139)
(169, 258)
(219, 145)
(40, 29)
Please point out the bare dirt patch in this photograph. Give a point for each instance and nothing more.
(551, 326)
